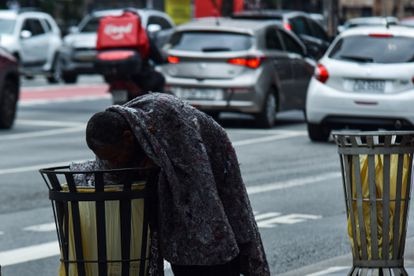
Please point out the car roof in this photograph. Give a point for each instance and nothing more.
(393, 30)
(372, 19)
(13, 14)
(100, 13)
(270, 14)
(225, 24)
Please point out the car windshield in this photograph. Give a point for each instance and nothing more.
(211, 41)
(90, 26)
(375, 48)
(7, 26)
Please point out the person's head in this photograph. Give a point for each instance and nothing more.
(109, 136)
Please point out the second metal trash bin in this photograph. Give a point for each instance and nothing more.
(103, 229)
(376, 170)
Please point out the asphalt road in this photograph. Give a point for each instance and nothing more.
(294, 185)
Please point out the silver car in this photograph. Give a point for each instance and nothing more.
(253, 67)
(79, 47)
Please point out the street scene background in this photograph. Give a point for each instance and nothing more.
(294, 185)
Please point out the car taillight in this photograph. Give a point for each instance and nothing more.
(115, 55)
(287, 26)
(321, 73)
(173, 59)
(251, 62)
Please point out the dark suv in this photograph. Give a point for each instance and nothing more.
(9, 89)
(312, 34)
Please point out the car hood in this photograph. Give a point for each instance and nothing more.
(81, 40)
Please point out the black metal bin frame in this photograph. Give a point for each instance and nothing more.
(67, 201)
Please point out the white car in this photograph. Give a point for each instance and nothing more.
(364, 81)
(34, 38)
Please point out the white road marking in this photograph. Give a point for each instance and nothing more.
(266, 139)
(37, 167)
(296, 182)
(266, 131)
(60, 87)
(287, 219)
(266, 215)
(42, 133)
(63, 100)
(36, 252)
(329, 270)
(49, 123)
(29, 253)
(46, 227)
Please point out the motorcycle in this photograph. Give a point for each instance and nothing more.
(123, 50)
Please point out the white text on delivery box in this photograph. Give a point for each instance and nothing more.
(118, 32)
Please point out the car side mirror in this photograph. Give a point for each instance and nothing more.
(153, 28)
(25, 34)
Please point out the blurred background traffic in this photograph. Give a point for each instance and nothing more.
(278, 75)
(254, 57)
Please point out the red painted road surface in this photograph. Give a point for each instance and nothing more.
(51, 93)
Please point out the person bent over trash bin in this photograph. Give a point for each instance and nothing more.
(205, 223)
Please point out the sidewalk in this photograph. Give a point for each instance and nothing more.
(341, 265)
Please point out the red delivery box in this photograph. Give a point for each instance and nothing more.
(123, 31)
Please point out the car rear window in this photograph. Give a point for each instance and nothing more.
(211, 41)
(90, 26)
(376, 48)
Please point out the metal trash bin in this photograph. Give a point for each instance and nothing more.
(94, 222)
(376, 171)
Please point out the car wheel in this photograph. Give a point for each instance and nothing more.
(266, 118)
(69, 77)
(56, 72)
(8, 104)
(318, 133)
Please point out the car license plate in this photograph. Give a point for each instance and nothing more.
(198, 93)
(119, 96)
(369, 86)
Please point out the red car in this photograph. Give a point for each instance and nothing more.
(9, 88)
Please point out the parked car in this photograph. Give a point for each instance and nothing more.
(312, 34)
(79, 48)
(253, 67)
(34, 38)
(9, 88)
(407, 21)
(364, 81)
(368, 21)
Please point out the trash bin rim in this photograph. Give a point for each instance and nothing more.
(371, 133)
(66, 170)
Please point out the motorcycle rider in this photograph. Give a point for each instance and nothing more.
(125, 32)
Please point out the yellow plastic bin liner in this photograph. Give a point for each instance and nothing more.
(113, 234)
(379, 162)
